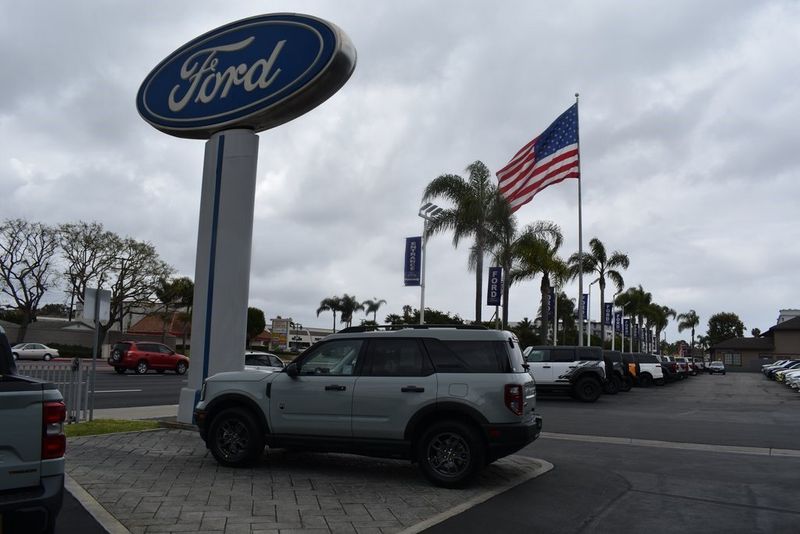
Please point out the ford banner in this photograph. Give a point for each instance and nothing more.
(412, 260)
(551, 303)
(607, 313)
(494, 296)
(626, 324)
(618, 323)
(585, 304)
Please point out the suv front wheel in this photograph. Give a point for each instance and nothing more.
(451, 453)
(235, 438)
(587, 389)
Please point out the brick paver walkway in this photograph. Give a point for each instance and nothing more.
(166, 481)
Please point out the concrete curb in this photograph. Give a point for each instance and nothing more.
(707, 447)
(543, 468)
(100, 514)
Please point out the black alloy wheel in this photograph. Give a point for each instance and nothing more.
(612, 387)
(235, 438)
(627, 384)
(451, 454)
(645, 380)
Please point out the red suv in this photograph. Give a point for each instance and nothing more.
(142, 356)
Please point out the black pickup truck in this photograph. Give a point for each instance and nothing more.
(32, 444)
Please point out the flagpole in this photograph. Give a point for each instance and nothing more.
(580, 238)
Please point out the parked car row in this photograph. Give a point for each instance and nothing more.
(786, 372)
(585, 373)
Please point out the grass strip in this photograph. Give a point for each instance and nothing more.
(107, 426)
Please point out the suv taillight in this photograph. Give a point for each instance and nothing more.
(54, 443)
(515, 398)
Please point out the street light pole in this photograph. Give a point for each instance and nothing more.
(428, 212)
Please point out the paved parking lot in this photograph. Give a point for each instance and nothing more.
(166, 481)
(655, 460)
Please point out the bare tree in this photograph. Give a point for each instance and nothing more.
(26, 265)
(130, 269)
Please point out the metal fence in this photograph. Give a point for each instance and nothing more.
(72, 380)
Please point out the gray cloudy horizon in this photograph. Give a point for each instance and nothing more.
(688, 120)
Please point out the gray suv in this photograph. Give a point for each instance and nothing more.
(450, 398)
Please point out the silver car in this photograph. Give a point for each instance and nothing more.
(33, 351)
(262, 361)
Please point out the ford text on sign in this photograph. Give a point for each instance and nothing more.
(494, 295)
(256, 73)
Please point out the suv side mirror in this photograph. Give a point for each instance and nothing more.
(292, 370)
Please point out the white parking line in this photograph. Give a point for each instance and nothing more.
(117, 390)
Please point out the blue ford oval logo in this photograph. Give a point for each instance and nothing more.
(255, 73)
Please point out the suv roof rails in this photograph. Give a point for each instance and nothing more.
(370, 328)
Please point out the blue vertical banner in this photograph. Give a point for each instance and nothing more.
(636, 331)
(618, 323)
(494, 295)
(412, 261)
(626, 331)
(608, 313)
(585, 304)
(649, 337)
(551, 304)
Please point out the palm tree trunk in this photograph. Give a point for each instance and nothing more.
(602, 285)
(478, 285)
(506, 291)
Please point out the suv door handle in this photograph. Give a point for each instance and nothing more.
(545, 367)
(412, 389)
(335, 387)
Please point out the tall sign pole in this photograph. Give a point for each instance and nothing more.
(580, 238)
(224, 87)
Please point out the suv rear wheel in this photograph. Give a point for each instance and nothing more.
(235, 438)
(587, 389)
(627, 384)
(450, 453)
(613, 386)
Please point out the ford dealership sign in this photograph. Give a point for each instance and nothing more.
(256, 73)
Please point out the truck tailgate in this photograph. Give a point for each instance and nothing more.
(20, 427)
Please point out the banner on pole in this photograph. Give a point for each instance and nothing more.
(551, 304)
(412, 261)
(626, 327)
(635, 330)
(607, 313)
(585, 304)
(618, 323)
(494, 295)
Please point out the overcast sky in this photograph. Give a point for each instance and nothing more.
(689, 142)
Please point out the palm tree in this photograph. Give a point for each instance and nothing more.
(596, 261)
(473, 201)
(372, 306)
(658, 317)
(688, 321)
(506, 244)
(332, 304)
(636, 301)
(540, 256)
(349, 305)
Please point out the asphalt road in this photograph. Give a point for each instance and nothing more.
(152, 389)
(600, 487)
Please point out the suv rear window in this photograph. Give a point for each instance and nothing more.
(472, 356)
(122, 347)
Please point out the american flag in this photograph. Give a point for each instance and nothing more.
(550, 158)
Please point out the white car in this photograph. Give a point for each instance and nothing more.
(262, 361)
(792, 378)
(33, 351)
